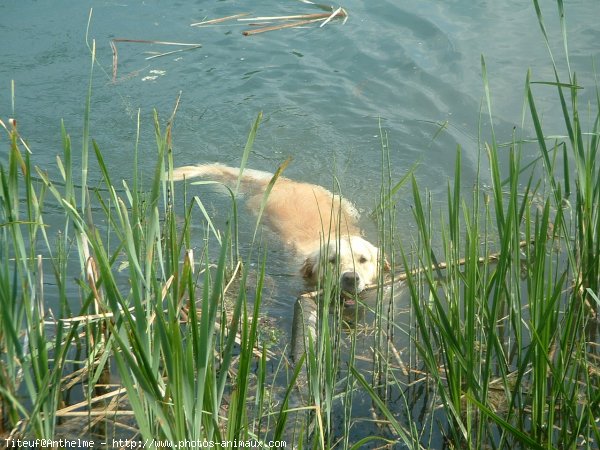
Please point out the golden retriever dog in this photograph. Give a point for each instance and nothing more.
(317, 224)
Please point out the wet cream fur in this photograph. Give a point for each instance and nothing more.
(306, 217)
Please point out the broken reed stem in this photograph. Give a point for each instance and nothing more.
(69, 410)
(115, 61)
(404, 275)
(279, 27)
(222, 19)
(337, 12)
(173, 51)
(298, 16)
(144, 41)
(299, 20)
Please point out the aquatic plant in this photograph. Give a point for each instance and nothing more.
(506, 327)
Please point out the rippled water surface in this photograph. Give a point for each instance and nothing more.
(408, 67)
(323, 91)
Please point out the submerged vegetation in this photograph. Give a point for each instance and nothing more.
(151, 341)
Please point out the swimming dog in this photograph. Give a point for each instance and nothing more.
(317, 224)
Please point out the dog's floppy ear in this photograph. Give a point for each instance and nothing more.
(307, 269)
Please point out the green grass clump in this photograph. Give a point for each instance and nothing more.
(507, 329)
(137, 315)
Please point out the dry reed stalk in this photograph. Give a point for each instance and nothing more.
(90, 317)
(280, 27)
(115, 60)
(232, 278)
(297, 16)
(144, 41)
(220, 20)
(96, 413)
(74, 378)
(12, 124)
(174, 51)
(398, 357)
(70, 410)
(257, 352)
(298, 20)
(166, 287)
(338, 11)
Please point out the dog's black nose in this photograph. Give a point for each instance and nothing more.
(350, 281)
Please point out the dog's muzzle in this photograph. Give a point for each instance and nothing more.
(350, 282)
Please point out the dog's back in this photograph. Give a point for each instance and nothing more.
(230, 176)
(302, 214)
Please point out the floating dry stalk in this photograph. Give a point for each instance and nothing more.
(144, 41)
(220, 20)
(296, 21)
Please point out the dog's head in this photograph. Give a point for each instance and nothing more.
(357, 258)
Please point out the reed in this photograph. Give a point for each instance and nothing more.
(506, 340)
(505, 331)
(175, 358)
(33, 360)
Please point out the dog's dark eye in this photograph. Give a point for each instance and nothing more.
(332, 259)
(362, 260)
